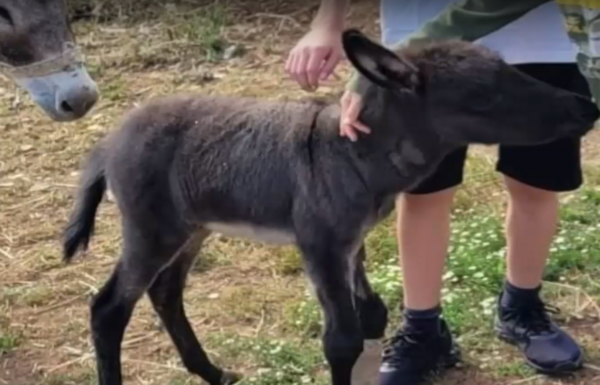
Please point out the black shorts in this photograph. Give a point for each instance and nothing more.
(555, 166)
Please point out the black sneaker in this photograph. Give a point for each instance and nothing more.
(546, 347)
(411, 358)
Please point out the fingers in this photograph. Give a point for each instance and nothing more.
(313, 71)
(308, 65)
(344, 103)
(332, 60)
(299, 71)
(361, 127)
(349, 124)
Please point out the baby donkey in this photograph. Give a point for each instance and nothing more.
(183, 166)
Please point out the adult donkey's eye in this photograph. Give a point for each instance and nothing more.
(5, 16)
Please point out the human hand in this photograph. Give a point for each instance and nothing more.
(314, 57)
(351, 104)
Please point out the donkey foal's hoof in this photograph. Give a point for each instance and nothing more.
(230, 378)
(373, 317)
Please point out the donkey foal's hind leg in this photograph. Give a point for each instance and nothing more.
(166, 294)
(144, 255)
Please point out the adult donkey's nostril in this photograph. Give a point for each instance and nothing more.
(75, 103)
(65, 107)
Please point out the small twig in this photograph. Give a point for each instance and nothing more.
(68, 363)
(6, 254)
(68, 185)
(90, 277)
(589, 297)
(592, 367)
(89, 286)
(8, 238)
(61, 304)
(201, 321)
(73, 350)
(28, 203)
(585, 305)
(276, 16)
(155, 364)
(135, 341)
(592, 282)
(141, 380)
(261, 322)
(526, 380)
(304, 10)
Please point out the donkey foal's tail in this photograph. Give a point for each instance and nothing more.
(92, 186)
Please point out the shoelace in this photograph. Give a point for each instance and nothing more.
(532, 318)
(403, 345)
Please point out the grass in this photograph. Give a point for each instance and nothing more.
(248, 303)
(475, 273)
(8, 341)
(276, 361)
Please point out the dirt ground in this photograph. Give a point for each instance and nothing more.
(44, 303)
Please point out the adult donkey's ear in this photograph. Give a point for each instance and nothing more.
(380, 65)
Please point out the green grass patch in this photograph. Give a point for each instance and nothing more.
(289, 261)
(86, 377)
(8, 341)
(304, 317)
(273, 361)
(202, 27)
(26, 295)
(9, 337)
(475, 274)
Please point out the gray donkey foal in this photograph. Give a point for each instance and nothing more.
(183, 166)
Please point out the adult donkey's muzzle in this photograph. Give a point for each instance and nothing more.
(61, 86)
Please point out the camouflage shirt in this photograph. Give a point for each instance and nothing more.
(473, 19)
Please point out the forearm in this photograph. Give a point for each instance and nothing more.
(331, 14)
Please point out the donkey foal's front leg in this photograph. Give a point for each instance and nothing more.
(371, 309)
(327, 267)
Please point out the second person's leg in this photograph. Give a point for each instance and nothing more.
(534, 176)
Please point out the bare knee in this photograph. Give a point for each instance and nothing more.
(529, 197)
(437, 202)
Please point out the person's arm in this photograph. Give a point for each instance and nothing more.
(467, 20)
(316, 55)
(331, 15)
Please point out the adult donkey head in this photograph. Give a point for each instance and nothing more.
(38, 51)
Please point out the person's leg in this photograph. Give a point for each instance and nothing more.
(531, 220)
(534, 176)
(423, 236)
(424, 345)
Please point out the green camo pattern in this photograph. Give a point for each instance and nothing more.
(473, 19)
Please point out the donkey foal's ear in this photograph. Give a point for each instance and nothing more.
(380, 65)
